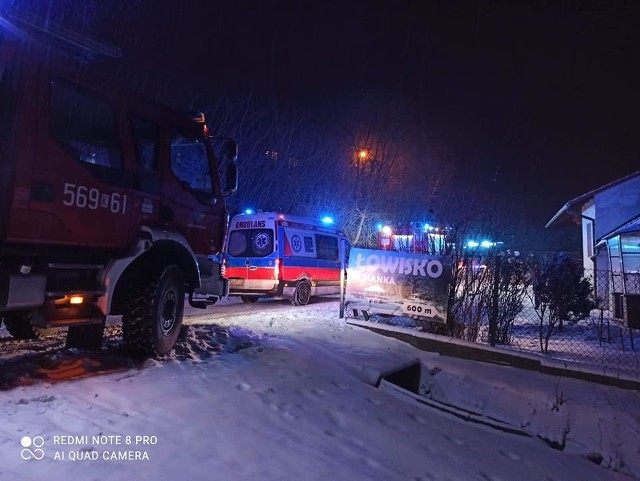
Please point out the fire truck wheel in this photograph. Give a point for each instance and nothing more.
(87, 337)
(152, 320)
(302, 293)
(20, 327)
(249, 299)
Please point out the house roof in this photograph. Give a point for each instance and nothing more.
(631, 226)
(572, 209)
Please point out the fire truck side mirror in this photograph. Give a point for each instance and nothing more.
(231, 179)
(226, 151)
(231, 150)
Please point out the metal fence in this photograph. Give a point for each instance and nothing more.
(500, 305)
(600, 340)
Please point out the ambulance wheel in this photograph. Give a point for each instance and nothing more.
(249, 299)
(302, 294)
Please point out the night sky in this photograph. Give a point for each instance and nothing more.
(536, 100)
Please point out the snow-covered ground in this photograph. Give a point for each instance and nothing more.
(267, 392)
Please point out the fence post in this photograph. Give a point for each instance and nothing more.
(343, 266)
(601, 328)
(493, 317)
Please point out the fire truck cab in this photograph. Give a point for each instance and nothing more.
(110, 204)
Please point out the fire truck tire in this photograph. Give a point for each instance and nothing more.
(88, 337)
(302, 293)
(20, 327)
(249, 299)
(151, 323)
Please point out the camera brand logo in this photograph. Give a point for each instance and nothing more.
(31, 447)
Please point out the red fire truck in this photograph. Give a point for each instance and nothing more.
(417, 237)
(109, 203)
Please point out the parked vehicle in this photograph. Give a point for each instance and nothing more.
(280, 255)
(110, 203)
(417, 237)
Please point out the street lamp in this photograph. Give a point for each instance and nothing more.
(362, 155)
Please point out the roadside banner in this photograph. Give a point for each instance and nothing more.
(398, 283)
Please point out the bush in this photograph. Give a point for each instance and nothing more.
(561, 294)
(488, 289)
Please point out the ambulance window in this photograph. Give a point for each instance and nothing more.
(327, 247)
(250, 243)
(145, 136)
(190, 163)
(85, 123)
(237, 243)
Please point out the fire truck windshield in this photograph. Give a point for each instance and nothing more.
(190, 163)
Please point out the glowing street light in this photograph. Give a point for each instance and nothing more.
(362, 155)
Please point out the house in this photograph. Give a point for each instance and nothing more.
(610, 219)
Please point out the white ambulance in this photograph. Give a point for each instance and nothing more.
(269, 254)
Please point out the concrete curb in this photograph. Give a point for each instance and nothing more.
(451, 410)
(476, 352)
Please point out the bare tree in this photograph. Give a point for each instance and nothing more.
(286, 165)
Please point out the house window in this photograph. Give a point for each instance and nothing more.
(589, 238)
(614, 254)
(618, 306)
(630, 243)
(630, 247)
(624, 253)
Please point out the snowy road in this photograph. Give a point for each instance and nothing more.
(232, 307)
(274, 393)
